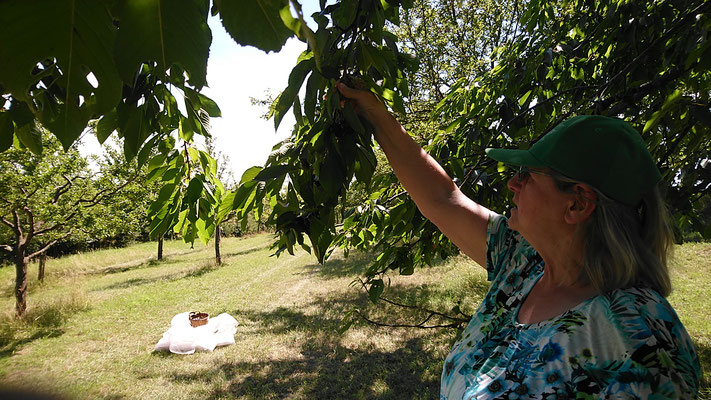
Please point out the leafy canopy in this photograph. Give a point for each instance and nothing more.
(490, 74)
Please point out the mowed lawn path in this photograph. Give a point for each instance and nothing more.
(287, 344)
(98, 316)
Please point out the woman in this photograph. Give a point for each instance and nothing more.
(576, 307)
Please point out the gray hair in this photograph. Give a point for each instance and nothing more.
(626, 246)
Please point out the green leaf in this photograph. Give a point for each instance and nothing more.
(186, 128)
(366, 164)
(226, 206)
(7, 130)
(133, 127)
(332, 174)
(352, 118)
(346, 322)
(202, 231)
(524, 98)
(166, 32)
(313, 84)
(344, 15)
(26, 130)
(294, 24)
(106, 126)
(70, 38)
(272, 172)
(250, 174)
(243, 193)
(161, 201)
(200, 101)
(376, 289)
(194, 190)
(256, 23)
(296, 79)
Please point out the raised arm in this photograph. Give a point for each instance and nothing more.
(462, 220)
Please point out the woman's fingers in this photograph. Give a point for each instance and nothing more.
(345, 90)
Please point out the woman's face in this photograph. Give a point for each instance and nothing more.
(539, 206)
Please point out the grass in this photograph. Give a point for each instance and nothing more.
(92, 325)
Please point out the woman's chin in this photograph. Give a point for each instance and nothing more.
(512, 214)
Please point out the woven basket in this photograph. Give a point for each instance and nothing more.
(198, 318)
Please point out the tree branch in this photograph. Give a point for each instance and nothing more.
(421, 325)
(17, 227)
(102, 195)
(62, 189)
(45, 230)
(31, 224)
(50, 244)
(431, 313)
(6, 247)
(6, 222)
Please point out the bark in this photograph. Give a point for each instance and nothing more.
(20, 284)
(218, 258)
(160, 247)
(42, 262)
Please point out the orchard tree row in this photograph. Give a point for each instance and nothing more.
(461, 76)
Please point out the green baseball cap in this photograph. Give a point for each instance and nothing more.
(604, 152)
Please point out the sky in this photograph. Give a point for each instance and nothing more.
(234, 74)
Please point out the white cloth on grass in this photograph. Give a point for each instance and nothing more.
(182, 338)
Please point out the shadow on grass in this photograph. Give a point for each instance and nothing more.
(354, 265)
(704, 351)
(46, 321)
(325, 368)
(328, 370)
(244, 252)
(338, 266)
(324, 365)
(169, 277)
(205, 266)
(8, 346)
(151, 262)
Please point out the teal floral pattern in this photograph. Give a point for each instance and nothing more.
(626, 344)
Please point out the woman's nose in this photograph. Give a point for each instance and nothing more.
(514, 184)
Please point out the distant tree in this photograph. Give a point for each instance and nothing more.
(44, 199)
(123, 216)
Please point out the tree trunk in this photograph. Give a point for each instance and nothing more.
(218, 259)
(42, 262)
(160, 247)
(20, 285)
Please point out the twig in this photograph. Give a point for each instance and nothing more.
(420, 325)
(50, 244)
(457, 321)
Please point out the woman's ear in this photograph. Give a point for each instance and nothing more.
(582, 205)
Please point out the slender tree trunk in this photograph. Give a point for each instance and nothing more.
(160, 247)
(20, 285)
(42, 262)
(218, 259)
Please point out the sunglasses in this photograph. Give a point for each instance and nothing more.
(524, 172)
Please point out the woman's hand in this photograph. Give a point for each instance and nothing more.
(364, 103)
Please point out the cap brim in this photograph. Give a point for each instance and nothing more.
(515, 157)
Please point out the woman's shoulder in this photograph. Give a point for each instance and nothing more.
(644, 329)
(640, 302)
(647, 323)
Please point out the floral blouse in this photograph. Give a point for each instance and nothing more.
(626, 344)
